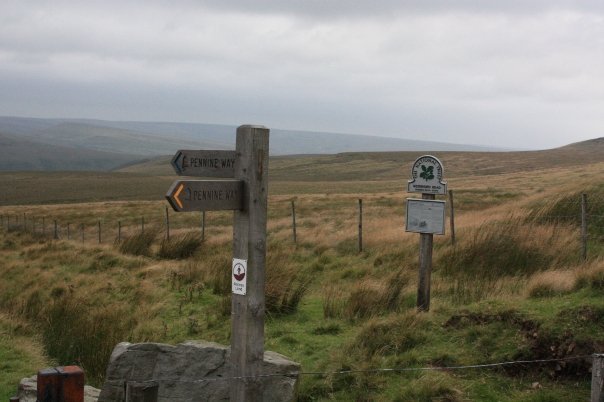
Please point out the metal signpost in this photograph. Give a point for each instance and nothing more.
(247, 194)
(426, 216)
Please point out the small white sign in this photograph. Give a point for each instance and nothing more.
(239, 276)
(427, 175)
(425, 216)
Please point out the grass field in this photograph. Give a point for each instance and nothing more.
(513, 288)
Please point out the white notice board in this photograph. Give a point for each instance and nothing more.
(425, 216)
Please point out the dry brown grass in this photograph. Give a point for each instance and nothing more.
(591, 275)
(551, 283)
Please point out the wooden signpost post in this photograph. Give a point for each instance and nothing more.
(427, 217)
(246, 192)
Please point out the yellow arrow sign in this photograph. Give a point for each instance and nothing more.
(177, 193)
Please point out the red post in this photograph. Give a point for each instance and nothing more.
(73, 383)
(48, 385)
(61, 384)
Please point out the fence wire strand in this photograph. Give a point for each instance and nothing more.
(373, 371)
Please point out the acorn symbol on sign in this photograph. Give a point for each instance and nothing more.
(239, 272)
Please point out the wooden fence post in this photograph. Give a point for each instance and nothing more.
(360, 225)
(294, 222)
(119, 230)
(597, 378)
(167, 225)
(142, 391)
(99, 224)
(203, 225)
(425, 266)
(249, 243)
(452, 217)
(56, 232)
(584, 226)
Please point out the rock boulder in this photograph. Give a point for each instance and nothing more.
(190, 372)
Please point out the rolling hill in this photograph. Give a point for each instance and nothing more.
(312, 174)
(19, 154)
(142, 140)
(393, 165)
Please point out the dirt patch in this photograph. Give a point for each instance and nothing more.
(572, 354)
(466, 318)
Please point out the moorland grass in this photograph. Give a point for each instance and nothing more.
(334, 308)
(180, 246)
(139, 243)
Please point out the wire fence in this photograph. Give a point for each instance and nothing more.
(376, 370)
(109, 230)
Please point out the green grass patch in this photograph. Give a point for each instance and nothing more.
(20, 355)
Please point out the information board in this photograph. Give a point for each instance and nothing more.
(425, 216)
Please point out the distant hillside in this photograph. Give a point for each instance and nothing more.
(109, 139)
(594, 146)
(148, 139)
(317, 174)
(19, 154)
(396, 165)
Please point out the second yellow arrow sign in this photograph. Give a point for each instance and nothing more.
(205, 195)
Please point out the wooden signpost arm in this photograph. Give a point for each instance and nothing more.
(249, 243)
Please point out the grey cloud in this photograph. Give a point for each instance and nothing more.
(326, 9)
(505, 73)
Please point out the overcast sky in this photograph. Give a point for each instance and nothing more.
(513, 73)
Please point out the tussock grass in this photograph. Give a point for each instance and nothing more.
(216, 275)
(365, 299)
(492, 255)
(499, 249)
(76, 333)
(566, 208)
(390, 335)
(591, 276)
(433, 387)
(139, 243)
(333, 301)
(551, 283)
(179, 246)
(285, 284)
